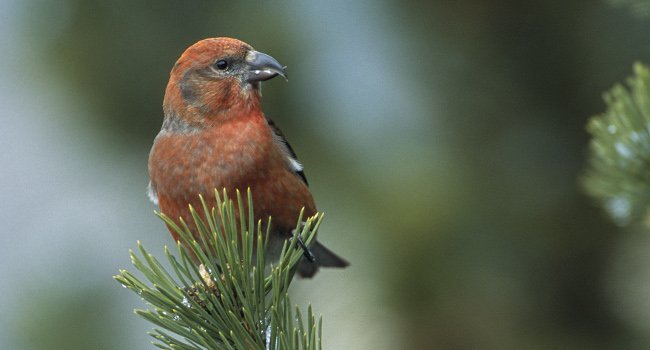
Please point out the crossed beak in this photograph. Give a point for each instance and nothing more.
(263, 67)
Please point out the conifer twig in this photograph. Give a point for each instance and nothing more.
(218, 292)
(619, 166)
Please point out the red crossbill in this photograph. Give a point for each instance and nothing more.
(214, 136)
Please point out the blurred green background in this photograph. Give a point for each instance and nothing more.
(444, 140)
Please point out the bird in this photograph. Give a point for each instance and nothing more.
(214, 135)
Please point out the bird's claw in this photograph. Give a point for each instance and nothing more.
(305, 250)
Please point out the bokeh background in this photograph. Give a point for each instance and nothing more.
(444, 140)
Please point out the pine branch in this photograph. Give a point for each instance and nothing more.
(220, 294)
(619, 172)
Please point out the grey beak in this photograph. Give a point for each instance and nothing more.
(263, 67)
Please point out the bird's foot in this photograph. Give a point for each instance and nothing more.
(305, 250)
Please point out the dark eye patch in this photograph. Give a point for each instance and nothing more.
(221, 64)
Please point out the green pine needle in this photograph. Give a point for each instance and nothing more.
(219, 292)
(619, 172)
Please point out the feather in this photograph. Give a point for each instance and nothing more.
(152, 194)
(292, 159)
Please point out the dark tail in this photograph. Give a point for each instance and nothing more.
(324, 258)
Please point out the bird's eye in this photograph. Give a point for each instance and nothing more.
(221, 64)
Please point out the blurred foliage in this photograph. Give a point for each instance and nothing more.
(67, 314)
(619, 175)
(639, 7)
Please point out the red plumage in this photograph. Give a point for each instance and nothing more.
(215, 135)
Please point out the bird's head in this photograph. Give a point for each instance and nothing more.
(215, 79)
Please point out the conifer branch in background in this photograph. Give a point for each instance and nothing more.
(219, 294)
(619, 167)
